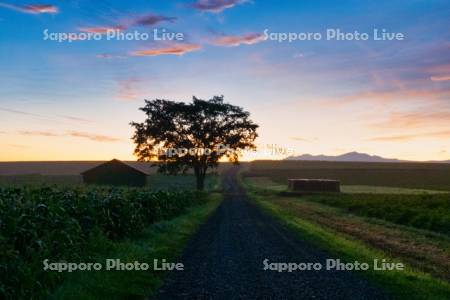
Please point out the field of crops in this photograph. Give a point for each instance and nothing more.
(426, 211)
(39, 180)
(155, 181)
(410, 225)
(411, 194)
(409, 175)
(423, 209)
(64, 222)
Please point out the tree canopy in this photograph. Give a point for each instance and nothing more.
(194, 135)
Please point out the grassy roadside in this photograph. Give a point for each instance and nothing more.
(163, 240)
(409, 284)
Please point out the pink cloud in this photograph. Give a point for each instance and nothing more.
(32, 8)
(93, 137)
(102, 30)
(215, 6)
(40, 9)
(233, 41)
(385, 96)
(395, 94)
(408, 137)
(417, 119)
(147, 20)
(439, 72)
(176, 49)
(440, 78)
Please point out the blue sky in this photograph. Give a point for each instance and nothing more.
(61, 101)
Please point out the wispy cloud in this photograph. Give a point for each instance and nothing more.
(32, 8)
(429, 95)
(408, 137)
(150, 20)
(110, 56)
(215, 6)
(396, 95)
(394, 78)
(102, 29)
(77, 119)
(440, 78)
(38, 133)
(78, 134)
(234, 41)
(128, 89)
(17, 146)
(176, 49)
(93, 137)
(19, 112)
(302, 139)
(438, 68)
(146, 20)
(416, 119)
(40, 9)
(43, 117)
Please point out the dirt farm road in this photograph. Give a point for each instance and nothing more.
(225, 259)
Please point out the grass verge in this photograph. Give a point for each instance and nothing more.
(408, 284)
(163, 240)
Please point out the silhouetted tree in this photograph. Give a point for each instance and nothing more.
(194, 135)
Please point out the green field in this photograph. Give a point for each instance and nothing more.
(428, 211)
(367, 189)
(59, 219)
(162, 240)
(428, 176)
(38, 180)
(155, 181)
(423, 209)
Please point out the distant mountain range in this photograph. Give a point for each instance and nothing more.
(351, 156)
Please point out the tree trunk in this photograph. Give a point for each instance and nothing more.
(200, 178)
(200, 182)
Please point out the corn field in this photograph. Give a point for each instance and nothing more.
(60, 224)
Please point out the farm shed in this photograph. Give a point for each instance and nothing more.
(115, 172)
(314, 185)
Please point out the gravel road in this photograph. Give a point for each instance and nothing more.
(225, 258)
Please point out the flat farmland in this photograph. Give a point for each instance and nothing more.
(429, 176)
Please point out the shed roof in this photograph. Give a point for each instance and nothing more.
(116, 162)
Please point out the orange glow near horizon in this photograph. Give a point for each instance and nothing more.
(290, 129)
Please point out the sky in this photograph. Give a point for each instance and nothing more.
(74, 99)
